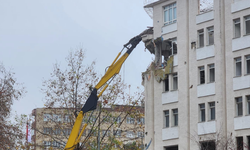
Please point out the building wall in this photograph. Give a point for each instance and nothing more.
(190, 92)
(119, 110)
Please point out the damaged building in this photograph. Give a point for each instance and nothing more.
(197, 89)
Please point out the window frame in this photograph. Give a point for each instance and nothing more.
(202, 69)
(174, 41)
(202, 112)
(57, 131)
(201, 32)
(237, 22)
(247, 19)
(247, 60)
(212, 108)
(47, 117)
(248, 104)
(175, 81)
(237, 106)
(175, 121)
(117, 133)
(130, 120)
(166, 84)
(166, 118)
(211, 67)
(171, 6)
(238, 60)
(239, 143)
(47, 130)
(210, 30)
(57, 117)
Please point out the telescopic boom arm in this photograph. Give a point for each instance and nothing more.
(91, 102)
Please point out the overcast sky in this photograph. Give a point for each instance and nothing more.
(36, 34)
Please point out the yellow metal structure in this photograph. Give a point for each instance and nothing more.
(113, 70)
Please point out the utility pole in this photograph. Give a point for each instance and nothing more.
(99, 120)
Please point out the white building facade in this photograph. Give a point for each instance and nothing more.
(197, 89)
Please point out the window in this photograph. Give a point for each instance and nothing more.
(46, 117)
(205, 6)
(248, 104)
(56, 117)
(117, 119)
(92, 119)
(201, 38)
(117, 133)
(46, 143)
(175, 117)
(211, 73)
(202, 75)
(175, 81)
(208, 145)
(66, 118)
(105, 132)
(210, 33)
(140, 134)
(140, 121)
(247, 24)
(56, 144)
(166, 83)
(248, 142)
(130, 120)
(248, 64)
(173, 46)
(238, 66)
(202, 112)
(66, 131)
(239, 108)
(170, 14)
(130, 134)
(166, 113)
(171, 148)
(106, 119)
(237, 28)
(239, 141)
(212, 111)
(47, 130)
(57, 131)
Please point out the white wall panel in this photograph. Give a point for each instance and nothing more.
(240, 5)
(205, 52)
(206, 127)
(170, 133)
(169, 28)
(205, 89)
(241, 82)
(242, 122)
(240, 43)
(169, 97)
(205, 17)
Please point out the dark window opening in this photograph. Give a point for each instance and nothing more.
(166, 83)
(207, 145)
(202, 75)
(171, 148)
(239, 141)
(248, 142)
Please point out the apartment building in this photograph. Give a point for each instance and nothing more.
(121, 124)
(197, 89)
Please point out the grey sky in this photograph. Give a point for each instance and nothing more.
(36, 34)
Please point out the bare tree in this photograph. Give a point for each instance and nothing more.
(218, 141)
(66, 92)
(10, 90)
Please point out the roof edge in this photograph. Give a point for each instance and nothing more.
(154, 3)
